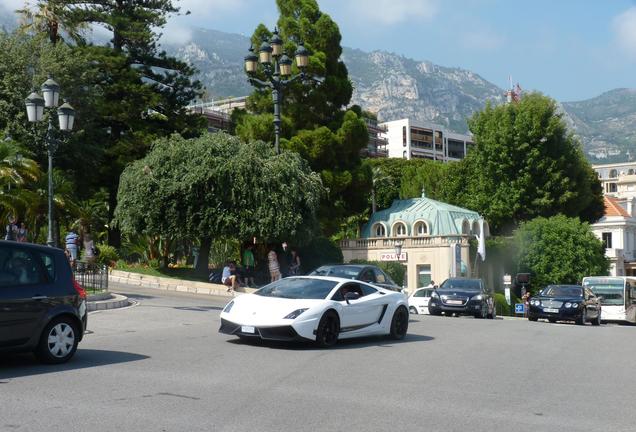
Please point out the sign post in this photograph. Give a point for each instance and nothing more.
(507, 281)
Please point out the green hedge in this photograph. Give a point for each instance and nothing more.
(395, 270)
(502, 306)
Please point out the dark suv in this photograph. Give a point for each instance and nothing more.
(42, 308)
(362, 272)
(462, 296)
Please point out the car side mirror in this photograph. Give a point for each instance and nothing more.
(351, 295)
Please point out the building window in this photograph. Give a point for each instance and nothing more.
(612, 187)
(379, 231)
(404, 136)
(465, 228)
(607, 240)
(613, 173)
(421, 229)
(405, 154)
(424, 275)
(399, 229)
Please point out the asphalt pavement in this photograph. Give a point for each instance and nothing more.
(162, 366)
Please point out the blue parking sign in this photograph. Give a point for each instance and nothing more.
(520, 308)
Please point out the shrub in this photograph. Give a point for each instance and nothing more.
(107, 254)
(319, 251)
(502, 307)
(395, 270)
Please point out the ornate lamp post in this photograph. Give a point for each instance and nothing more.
(35, 105)
(277, 67)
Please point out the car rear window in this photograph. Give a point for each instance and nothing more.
(339, 271)
(49, 264)
(19, 267)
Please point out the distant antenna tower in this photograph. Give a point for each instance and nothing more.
(514, 92)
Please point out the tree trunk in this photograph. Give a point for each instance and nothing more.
(114, 234)
(201, 268)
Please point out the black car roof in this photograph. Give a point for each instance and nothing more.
(34, 246)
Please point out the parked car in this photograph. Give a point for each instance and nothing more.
(316, 308)
(565, 303)
(418, 301)
(361, 272)
(462, 296)
(42, 308)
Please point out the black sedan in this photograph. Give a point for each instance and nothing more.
(462, 296)
(565, 303)
(361, 272)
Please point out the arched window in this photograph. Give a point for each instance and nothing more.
(476, 228)
(421, 229)
(465, 227)
(613, 173)
(379, 230)
(399, 229)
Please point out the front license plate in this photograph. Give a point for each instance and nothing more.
(549, 310)
(247, 329)
(457, 302)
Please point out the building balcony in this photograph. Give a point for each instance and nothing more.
(613, 253)
(407, 242)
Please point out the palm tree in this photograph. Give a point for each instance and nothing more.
(50, 17)
(17, 175)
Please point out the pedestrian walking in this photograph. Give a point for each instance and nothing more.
(272, 263)
(89, 248)
(22, 233)
(249, 264)
(285, 260)
(11, 230)
(294, 266)
(72, 245)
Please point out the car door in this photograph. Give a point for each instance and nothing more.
(592, 305)
(23, 300)
(360, 313)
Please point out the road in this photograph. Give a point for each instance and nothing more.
(162, 366)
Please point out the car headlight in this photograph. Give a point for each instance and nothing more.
(568, 305)
(295, 313)
(536, 302)
(575, 305)
(478, 297)
(228, 308)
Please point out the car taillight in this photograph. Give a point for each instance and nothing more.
(81, 291)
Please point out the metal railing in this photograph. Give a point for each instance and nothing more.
(91, 276)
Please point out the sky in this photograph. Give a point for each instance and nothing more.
(568, 49)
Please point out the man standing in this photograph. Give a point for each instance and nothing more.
(285, 260)
(71, 241)
(248, 264)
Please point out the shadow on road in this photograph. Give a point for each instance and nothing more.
(136, 296)
(22, 365)
(345, 344)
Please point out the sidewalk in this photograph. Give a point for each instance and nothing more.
(170, 284)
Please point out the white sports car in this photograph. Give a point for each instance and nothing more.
(316, 308)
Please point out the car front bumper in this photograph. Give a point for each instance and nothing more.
(469, 308)
(564, 314)
(275, 333)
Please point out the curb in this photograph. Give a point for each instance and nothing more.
(114, 302)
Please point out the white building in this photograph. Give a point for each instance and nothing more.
(408, 139)
(617, 230)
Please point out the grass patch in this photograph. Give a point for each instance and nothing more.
(183, 273)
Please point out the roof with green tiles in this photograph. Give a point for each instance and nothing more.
(439, 218)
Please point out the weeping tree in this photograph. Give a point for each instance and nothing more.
(216, 186)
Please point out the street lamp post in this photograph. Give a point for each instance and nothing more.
(277, 67)
(35, 105)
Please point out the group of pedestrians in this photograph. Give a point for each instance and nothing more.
(15, 232)
(73, 244)
(284, 263)
(280, 263)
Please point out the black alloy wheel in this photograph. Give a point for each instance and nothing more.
(399, 323)
(328, 329)
(597, 321)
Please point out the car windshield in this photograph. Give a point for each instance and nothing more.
(298, 288)
(347, 272)
(610, 290)
(562, 291)
(461, 284)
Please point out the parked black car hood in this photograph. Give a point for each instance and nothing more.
(559, 298)
(458, 292)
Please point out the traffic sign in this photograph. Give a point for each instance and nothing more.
(520, 308)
